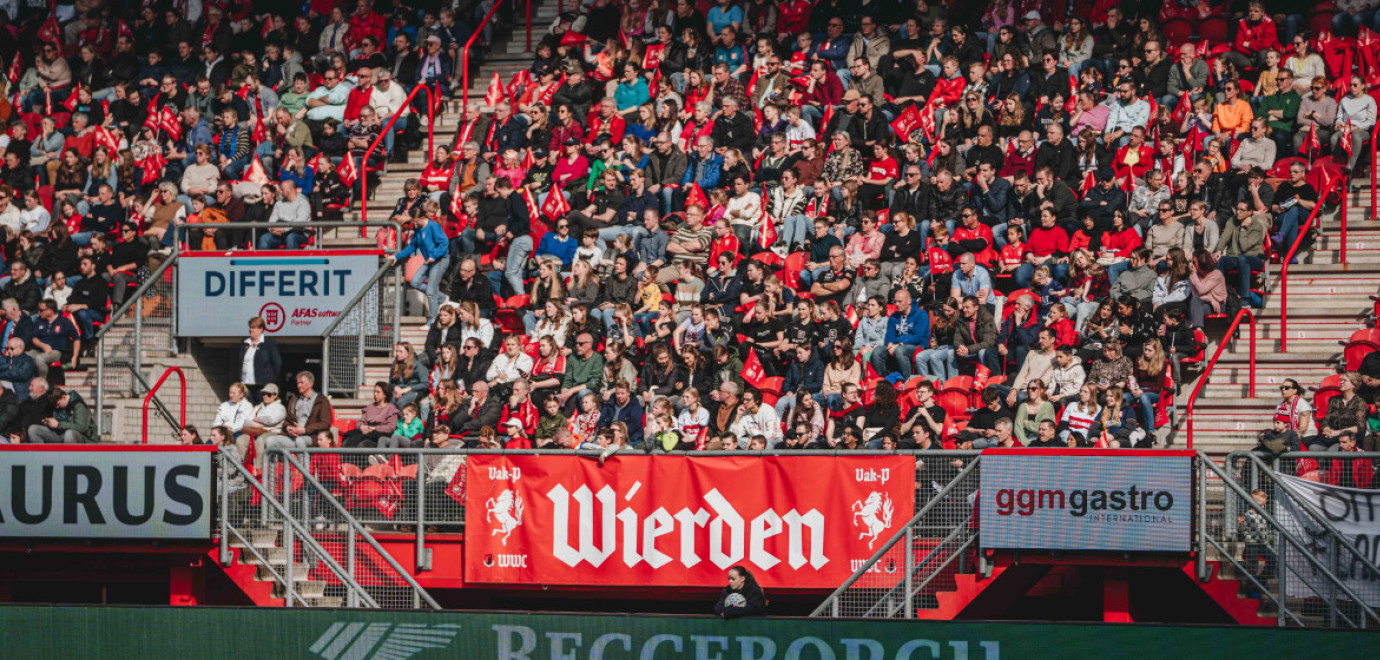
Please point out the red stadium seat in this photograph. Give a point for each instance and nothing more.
(1214, 30)
(1328, 388)
(1177, 32)
(1358, 346)
(955, 397)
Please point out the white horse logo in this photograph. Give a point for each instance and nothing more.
(876, 513)
(506, 510)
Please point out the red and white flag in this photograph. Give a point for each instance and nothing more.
(153, 167)
(906, 122)
(495, 95)
(347, 171)
(72, 99)
(533, 210)
(1311, 145)
(1347, 139)
(766, 235)
(555, 207)
(16, 69)
(695, 197)
(255, 173)
(754, 373)
(171, 123)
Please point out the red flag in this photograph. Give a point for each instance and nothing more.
(153, 167)
(555, 207)
(828, 117)
(906, 122)
(980, 375)
(495, 94)
(122, 30)
(48, 102)
(152, 118)
(104, 138)
(527, 160)
(1181, 110)
(1154, 110)
(1311, 144)
(766, 235)
(255, 172)
(651, 56)
(457, 205)
(16, 69)
(753, 372)
(72, 100)
(243, 92)
(1089, 180)
(347, 171)
(267, 28)
(927, 121)
(456, 489)
(695, 197)
(260, 132)
(1347, 139)
(520, 81)
(170, 122)
(528, 198)
(50, 32)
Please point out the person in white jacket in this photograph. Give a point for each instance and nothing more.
(235, 413)
(511, 364)
(756, 419)
(267, 419)
(1038, 365)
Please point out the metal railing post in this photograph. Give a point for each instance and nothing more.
(138, 346)
(350, 565)
(100, 390)
(364, 161)
(221, 480)
(423, 558)
(910, 572)
(1201, 559)
(291, 560)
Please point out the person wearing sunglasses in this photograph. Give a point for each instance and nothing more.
(1293, 409)
(1316, 109)
(1355, 118)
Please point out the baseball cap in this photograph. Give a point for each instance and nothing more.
(1032, 16)
(513, 423)
(271, 388)
(851, 95)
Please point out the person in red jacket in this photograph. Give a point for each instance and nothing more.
(1048, 245)
(1255, 34)
(823, 90)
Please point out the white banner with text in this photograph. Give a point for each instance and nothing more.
(298, 294)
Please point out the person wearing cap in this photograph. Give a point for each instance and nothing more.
(434, 66)
(575, 93)
(387, 99)
(1105, 198)
(517, 438)
(267, 419)
(1042, 39)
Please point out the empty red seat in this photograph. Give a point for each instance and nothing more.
(1358, 346)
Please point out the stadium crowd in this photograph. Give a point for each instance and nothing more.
(758, 224)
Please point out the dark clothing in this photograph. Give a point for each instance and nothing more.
(268, 363)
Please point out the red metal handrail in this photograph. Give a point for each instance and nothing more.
(432, 105)
(1230, 336)
(1303, 231)
(182, 403)
(1374, 135)
(465, 54)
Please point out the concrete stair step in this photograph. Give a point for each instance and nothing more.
(300, 571)
(308, 589)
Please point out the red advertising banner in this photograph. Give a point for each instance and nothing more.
(794, 521)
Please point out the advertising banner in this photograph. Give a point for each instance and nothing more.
(1095, 500)
(795, 521)
(297, 294)
(1352, 512)
(110, 493)
(211, 633)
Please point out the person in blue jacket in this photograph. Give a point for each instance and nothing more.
(428, 240)
(559, 244)
(907, 330)
(626, 408)
(804, 374)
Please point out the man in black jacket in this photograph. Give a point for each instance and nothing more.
(1058, 154)
(479, 410)
(733, 129)
(264, 364)
(468, 286)
(22, 287)
(88, 300)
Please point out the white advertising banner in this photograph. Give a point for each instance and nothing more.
(1093, 500)
(146, 493)
(1354, 513)
(298, 294)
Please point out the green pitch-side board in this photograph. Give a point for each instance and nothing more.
(280, 634)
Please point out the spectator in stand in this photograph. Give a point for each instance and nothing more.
(430, 242)
(55, 340)
(1346, 414)
(1356, 114)
(1241, 248)
(308, 412)
(70, 423)
(17, 368)
(236, 412)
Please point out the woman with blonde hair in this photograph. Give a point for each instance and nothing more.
(473, 324)
(555, 323)
(408, 382)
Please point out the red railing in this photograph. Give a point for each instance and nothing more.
(1341, 187)
(1227, 338)
(182, 399)
(465, 53)
(432, 105)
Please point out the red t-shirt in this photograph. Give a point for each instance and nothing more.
(1045, 242)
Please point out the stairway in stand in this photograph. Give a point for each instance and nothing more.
(506, 56)
(1328, 301)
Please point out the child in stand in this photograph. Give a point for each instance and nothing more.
(329, 188)
(649, 294)
(326, 469)
(718, 206)
(1252, 529)
(589, 250)
(552, 420)
(1064, 332)
(409, 429)
(586, 421)
(1013, 253)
